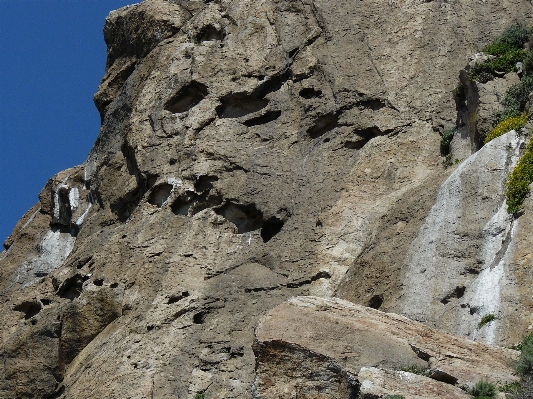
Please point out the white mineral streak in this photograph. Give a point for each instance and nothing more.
(74, 198)
(53, 250)
(80, 220)
(431, 265)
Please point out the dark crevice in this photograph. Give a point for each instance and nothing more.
(160, 194)
(458, 292)
(210, 33)
(71, 288)
(365, 135)
(375, 302)
(442, 376)
(238, 105)
(267, 117)
(374, 104)
(322, 125)
(190, 203)
(271, 227)
(420, 353)
(310, 92)
(204, 183)
(99, 282)
(245, 217)
(293, 284)
(186, 98)
(178, 297)
(29, 308)
(199, 318)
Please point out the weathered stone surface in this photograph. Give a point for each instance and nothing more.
(380, 383)
(249, 152)
(351, 337)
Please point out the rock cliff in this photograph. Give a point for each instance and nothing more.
(251, 152)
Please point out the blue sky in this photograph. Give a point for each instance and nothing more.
(52, 57)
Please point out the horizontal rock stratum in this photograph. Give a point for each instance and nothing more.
(330, 348)
(254, 151)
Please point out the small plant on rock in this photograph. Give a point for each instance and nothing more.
(484, 390)
(446, 140)
(486, 319)
(525, 362)
(508, 124)
(508, 50)
(415, 369)
(521, 177)
(394, 397)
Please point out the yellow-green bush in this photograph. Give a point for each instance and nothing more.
(508, 124)
(519, 180)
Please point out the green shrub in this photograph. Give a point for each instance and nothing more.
(503, 63)
(515, 36)
(484, 389)
(525, 362)
(521, 177)
(446, 140)
(414, 369)
(514, 387)
(516, 98)
(486, 319)
(508, 49)
(528, 63)
(508, 124)
(394, 397)
(199, 396)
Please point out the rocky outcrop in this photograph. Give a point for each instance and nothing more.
(249, 152)
(358, 347)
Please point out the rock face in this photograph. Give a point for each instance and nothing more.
(251, 152)
(342, 340)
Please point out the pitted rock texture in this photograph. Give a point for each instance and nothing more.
(249, 152)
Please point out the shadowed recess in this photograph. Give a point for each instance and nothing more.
(186, 98)
(322, 125)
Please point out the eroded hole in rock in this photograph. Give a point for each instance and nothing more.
(160, 194)
(322, 125)
(125, 205)
(183, 203)
(72, 287)
(267, 117)
(238, 105)
(186, 98)
(29, 308)
(458, 292)
(375, 302)
(204, 183)
(114, 285)
(199, 318)
(373, 103)
(365, 135)
(442, 376)
(355, 145)
(99, 282)
(271, 227)
(178, 297)
(46, 302)
(209, 33)
(245, 217)
(310, 92)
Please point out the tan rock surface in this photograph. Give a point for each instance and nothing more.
(249, 152)
(353, 336)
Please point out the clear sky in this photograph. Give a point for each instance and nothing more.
(52, 57)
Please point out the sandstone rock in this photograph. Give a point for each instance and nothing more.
(249, 152)
(380, 383)
(342, 337)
